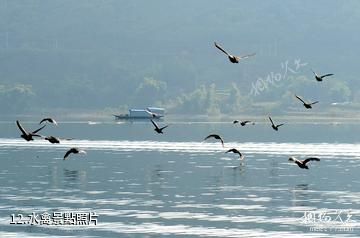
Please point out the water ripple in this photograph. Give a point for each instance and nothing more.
(339, 151)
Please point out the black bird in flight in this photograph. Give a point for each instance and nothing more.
(235, 151)
(302, 163)
(233, 58)
(74, 150)
(28, 136)
(275, 127)
(320, 77)
(48, 119)
(54, 140)
(243, 123)
(157, 128)
(216, 137)
(306, 105)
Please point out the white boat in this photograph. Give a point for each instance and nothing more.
(147, 113)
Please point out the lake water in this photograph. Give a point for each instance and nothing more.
(143, 184)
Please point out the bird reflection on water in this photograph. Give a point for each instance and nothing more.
(74, 178)
(300, 195)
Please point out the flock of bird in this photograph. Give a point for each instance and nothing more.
(307, 105)
(28, 136)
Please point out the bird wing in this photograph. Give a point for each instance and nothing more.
(271, 121)
(235, 151)
(311, 159)
(162, 128)
(230, 150)
(220, 48)
(209, 136)
(36, 135)
(154, 123)
(245, 56)
(246, 122)
(68, 153)
(280, 125)
(45, 119)
(236, 121)
(325, 75)
(34, 132)
(313, 72)
(300, 99)
(21, 128)
(314, 102)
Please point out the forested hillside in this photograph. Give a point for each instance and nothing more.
(92, 55)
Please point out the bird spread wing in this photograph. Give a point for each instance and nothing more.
(220, 48)
(326, 75)
(311, 159)
(271, 121)
(216, 137)
(68, 153)
(246, 122)
(162, 128)
(36, 135)
(300, 98)
(280, 125)
(245, 56)
(34, 132)
(209, 136)
(314, 102)
(21, 128)
(231, 150)
(235, 151)
(45, 119)
(154, 123)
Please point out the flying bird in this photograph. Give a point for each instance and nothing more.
(216, 137)
(306, 105)
(54, 140)
(48, 119)
(243, 123)
(275, 127)
(233, 58)
(28, 136)
(74, 150)
(235, 151)
(320, 77)
(157, 128)
(302, 163)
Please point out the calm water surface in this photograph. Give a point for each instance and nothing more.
(141, 184)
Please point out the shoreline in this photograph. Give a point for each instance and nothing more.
(100, 116)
